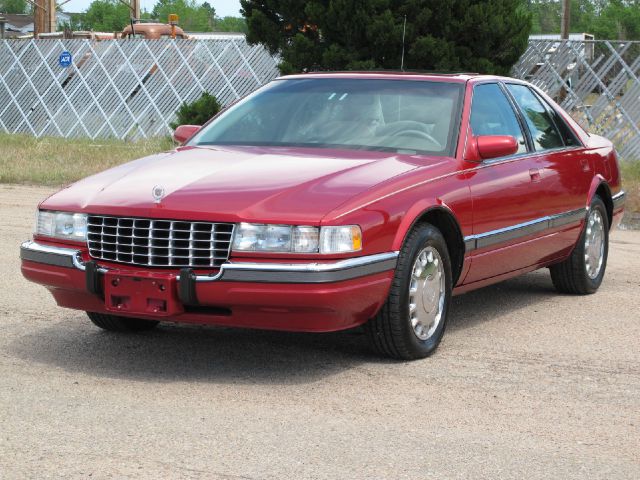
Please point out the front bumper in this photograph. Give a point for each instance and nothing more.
(305, 297)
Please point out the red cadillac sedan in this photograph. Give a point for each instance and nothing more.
(326, 201)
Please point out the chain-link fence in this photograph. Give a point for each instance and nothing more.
(132, 88)
(126, 89)
(595, 81)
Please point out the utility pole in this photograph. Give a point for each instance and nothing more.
(52, 24)
(44, 16)
(39, 17)
(566, 20)
(134, 7)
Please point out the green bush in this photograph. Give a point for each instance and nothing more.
(198, 112)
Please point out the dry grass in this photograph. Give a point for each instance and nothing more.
(56, 161)
(631, 184)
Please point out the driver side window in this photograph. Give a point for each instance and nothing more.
(492, 114)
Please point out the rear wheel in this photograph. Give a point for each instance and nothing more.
(411, 323)
(120, 324)
(583, 271)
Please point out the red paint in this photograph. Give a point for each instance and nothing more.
(141, 293)
(185, 132)
(494, 146)
(384, 193)
(304, 307)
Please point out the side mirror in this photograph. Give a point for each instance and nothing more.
(494, 146)
(185, 132)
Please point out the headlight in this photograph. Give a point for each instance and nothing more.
(63, 225)
(250, 237)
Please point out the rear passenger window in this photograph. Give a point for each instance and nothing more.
(569, 138)
(492, 114)
(544, 133)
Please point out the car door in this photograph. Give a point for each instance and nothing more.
(508, 193)
(565, 171)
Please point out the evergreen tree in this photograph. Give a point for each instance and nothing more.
(486, 36)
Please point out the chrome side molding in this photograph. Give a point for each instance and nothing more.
(618, 199)
(493, 237)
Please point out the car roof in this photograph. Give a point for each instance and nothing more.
(453, 77)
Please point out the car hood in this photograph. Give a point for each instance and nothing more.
(236, 184)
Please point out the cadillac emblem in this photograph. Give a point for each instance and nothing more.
(158, 193)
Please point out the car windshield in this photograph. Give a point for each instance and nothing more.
(403, 116)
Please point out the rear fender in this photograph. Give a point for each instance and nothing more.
(595, 183)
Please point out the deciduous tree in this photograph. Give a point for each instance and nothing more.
(192, 17)
(13, 6)
(106, 16)
(230, 24)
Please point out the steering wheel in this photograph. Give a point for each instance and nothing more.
(410, 132)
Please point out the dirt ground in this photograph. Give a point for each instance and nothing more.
(526, 384)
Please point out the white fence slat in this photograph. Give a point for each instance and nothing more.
(127, 89)
(596, 81)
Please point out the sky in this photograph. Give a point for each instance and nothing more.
(224, 8)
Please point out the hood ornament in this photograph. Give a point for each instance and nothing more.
(158, 193)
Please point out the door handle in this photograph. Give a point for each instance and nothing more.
(534, 173)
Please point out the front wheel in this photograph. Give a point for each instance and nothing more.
(583, 271)
(411, 323)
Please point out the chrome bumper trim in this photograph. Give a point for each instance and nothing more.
(240, 272)
(306, 272)
(49, 255)
(618, 199)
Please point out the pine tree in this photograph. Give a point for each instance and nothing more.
(485, 36)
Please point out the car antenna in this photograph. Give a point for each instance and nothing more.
(404, 31)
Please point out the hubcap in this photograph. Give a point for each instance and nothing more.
(426, 293)
(594, 244)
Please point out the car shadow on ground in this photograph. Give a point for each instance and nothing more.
(520, 293)
(226, 355)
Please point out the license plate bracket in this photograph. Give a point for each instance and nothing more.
(141, 293)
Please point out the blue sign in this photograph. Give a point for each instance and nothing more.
(65, 59)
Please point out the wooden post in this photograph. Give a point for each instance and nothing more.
(39, 17)
(565, 28)
(44, 16)
(52, 24)
(135, 9)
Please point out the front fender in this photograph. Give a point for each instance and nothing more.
(413, 215)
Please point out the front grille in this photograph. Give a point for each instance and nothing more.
(159, 243)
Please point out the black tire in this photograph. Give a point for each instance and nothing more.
(571, 275)
(390, 331)
(120, 324)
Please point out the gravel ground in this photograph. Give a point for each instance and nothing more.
(526, 384)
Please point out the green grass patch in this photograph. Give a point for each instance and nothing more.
(58, 161)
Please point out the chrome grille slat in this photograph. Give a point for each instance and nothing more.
(159, 243)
